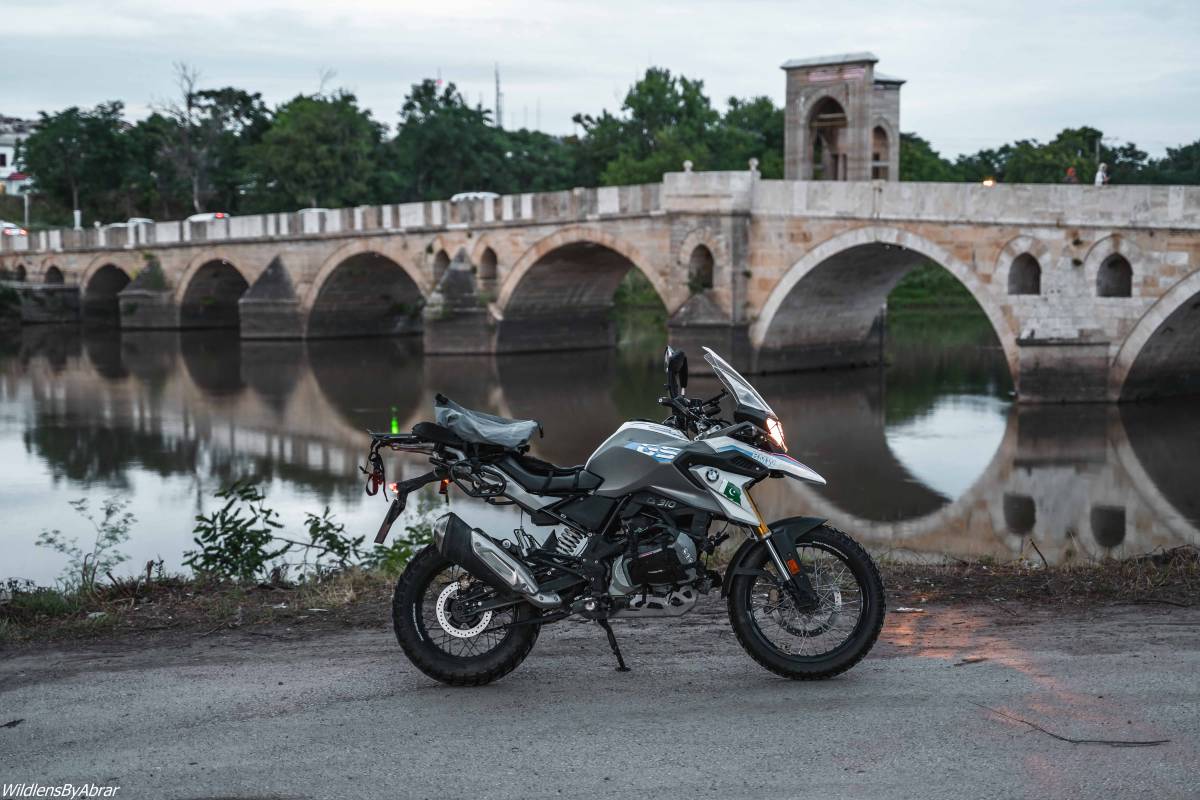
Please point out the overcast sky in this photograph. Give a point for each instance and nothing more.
(979, 73)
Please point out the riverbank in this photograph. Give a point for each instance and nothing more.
(137, 608)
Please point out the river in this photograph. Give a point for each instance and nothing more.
(927, 458)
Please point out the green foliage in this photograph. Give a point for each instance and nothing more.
(28, 601)
(443, 145)
(79, 157)
(391, 558)
(920, 162)
(237, 540)
(320, 151)
(328, 540)
(151, 276)
(1181, 166)
(930, 286)
(111, 531)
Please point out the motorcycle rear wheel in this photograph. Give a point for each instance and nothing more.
(458, 652)
(824, 642)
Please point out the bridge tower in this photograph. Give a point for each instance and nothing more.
(843, 120)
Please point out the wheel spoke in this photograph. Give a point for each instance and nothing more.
(817, 632)
(464, 641)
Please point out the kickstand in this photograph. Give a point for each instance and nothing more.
(612, 642)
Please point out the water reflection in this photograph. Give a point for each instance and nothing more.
(926, 457)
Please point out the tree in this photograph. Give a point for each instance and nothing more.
(751, 128)
(320, 150)
(920, 162)
(77, 156)
(1180, 166)
(212, 131)
(444, 146)
(667, 120)
(535, 162)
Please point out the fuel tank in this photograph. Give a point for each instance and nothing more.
(640, 457)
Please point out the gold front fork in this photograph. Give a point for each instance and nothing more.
(762, 529)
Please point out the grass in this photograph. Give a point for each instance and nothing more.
(358, 597)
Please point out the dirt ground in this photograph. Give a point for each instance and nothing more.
(958, 700)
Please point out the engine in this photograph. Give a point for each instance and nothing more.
(658, 578)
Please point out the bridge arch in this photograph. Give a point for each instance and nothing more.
(53, 276)
(208, 292)
(1161, 355)
(102, 281)
(823, 311)
(559, 294)
(585, 237)
(362, 291)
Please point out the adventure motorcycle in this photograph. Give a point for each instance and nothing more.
(631, 538)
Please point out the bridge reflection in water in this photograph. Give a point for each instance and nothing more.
(924, 458)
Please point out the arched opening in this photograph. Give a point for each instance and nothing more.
(1108, 525)
(1168, 364)
(366, 295)
(53, 277)
(880, 154)
(487, 271)
(441, 263)
(99, 300)
(837, 312)
(827, 132)
(1025, 275)
(581, 295)
(19, 273)
(1020, 513)
(211, 297)
(1115, 277)
(700, 270)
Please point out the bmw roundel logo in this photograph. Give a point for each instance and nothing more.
(712, 476)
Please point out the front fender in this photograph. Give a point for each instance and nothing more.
(785, 533)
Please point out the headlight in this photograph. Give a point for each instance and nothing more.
(775, 433)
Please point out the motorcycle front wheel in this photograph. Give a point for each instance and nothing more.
(443, 643)
(825, 641)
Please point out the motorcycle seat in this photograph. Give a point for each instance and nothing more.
(477, 427)
(542, 477)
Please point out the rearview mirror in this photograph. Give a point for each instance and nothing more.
(677, 371)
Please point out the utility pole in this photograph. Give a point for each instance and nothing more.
(499, 96)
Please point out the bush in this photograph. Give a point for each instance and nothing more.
(112, 530)
(238, 540)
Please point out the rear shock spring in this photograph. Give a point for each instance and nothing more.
(570, 541)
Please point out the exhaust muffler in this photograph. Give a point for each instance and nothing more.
(485, 558)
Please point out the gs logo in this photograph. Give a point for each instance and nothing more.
(659, 452)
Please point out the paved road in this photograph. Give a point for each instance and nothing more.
(342, 715)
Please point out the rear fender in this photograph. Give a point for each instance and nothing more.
(785, 534)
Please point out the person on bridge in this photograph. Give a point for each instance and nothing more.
(1102, 174)
(1071, 176)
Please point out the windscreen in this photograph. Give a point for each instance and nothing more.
(739, 387)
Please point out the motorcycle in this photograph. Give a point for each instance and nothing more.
(634, 532)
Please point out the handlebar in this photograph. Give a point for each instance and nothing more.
(690, 414)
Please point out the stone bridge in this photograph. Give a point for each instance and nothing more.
(1094, 292)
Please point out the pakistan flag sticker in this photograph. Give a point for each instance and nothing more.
(733, 493)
